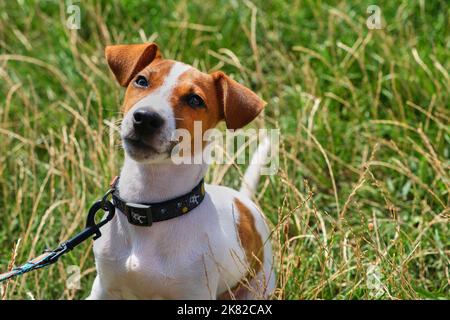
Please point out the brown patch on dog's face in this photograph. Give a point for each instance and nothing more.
(154, 110)
(155, 73)
(194, 82)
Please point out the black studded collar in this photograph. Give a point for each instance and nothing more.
(144, 214)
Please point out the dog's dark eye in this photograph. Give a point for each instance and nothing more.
(195, 101)
(141, 82)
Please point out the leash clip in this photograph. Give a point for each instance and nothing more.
(104, 204)
(92, 229)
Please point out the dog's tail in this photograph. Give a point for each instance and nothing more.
(251, 176)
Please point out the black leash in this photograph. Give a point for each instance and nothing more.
(139, 214)
(49, 257)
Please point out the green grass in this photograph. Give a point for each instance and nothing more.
(364, 118)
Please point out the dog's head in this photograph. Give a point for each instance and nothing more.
(164, 95)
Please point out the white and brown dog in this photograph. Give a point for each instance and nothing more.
(219, 249)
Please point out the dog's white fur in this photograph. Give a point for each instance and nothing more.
(159, 102)
(195, 256)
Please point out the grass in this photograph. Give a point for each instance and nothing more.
(363, 186)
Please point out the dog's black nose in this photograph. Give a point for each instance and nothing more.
(146, 122)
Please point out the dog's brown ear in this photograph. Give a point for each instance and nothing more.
(126, 60)
(240, 105)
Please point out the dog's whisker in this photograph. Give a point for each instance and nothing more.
(175, 118)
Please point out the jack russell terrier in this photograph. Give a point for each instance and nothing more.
(173, 236)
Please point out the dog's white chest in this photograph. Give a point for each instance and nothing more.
(137, 273)
(158, 261)
(194, 256)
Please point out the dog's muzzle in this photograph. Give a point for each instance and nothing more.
(146, 122)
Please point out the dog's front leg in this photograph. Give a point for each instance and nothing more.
(201, 285)
(197, 292)
(98, 292)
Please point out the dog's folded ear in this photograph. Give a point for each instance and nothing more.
(239, 104)
(127, 60)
